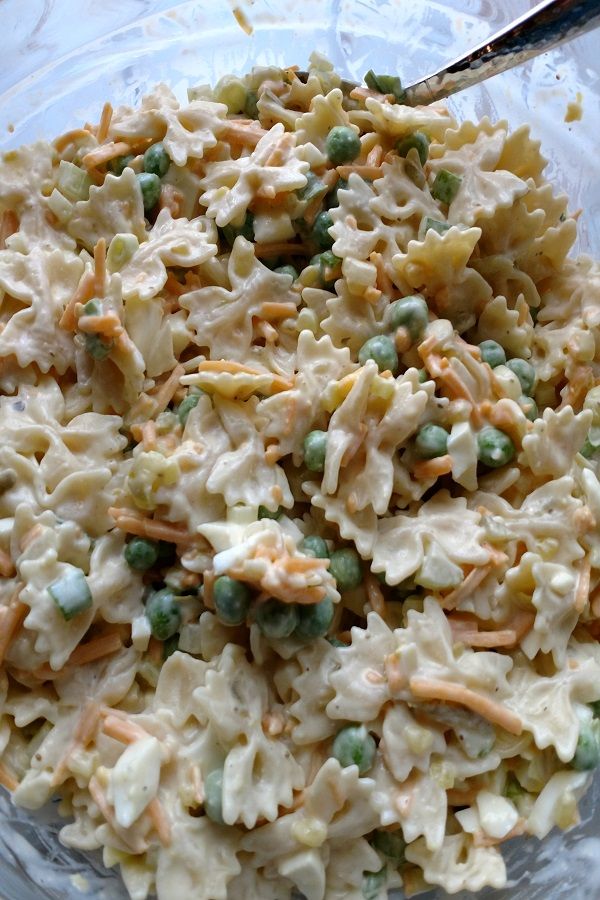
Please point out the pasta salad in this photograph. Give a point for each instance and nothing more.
(299, 497)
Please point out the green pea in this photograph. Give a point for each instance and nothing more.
(332, 200)
(213, 796)
(141, 554)
(492, 353)
(587, 754)
(275, 619)
(354, 746)
(431, 441)
(232, 600)
(150, 188)
(411, 313)
(345, 566)
(320, 231)
(264, 513)
(314, 619)
(117, 165)
(157, 160)
(315, 448)
(251, 105)
(186, 406)
(494, 447)
(163, 613)
(390, 844)
(419, 141)
(287, 270)
(446, 186)
(342, 145)
(529, 407)
(524, 372)
(382, 350)
(335, 642)
(313, 545)
(97, 347)
(385, 84)
(246, 229)
(423, 375)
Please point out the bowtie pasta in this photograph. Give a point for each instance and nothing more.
(299, 497)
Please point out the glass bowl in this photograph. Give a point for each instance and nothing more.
(64, 58)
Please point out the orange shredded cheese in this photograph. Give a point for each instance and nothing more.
(104, 124)
(8, 779)
(432, 468)
(434, 689)
(155, 529)
(370, 172)
(85, 291)
(582, 592)
(273, 310)
(7, 566)
(11, 619)
(100, 155)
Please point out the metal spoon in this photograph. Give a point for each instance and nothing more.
(547, 25)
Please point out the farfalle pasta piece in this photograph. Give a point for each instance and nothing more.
(397, 120)
(382, 216)
(272, 168)
(497, 320)
(360, 682)
(235, 381)
(438, 267)
(115, 207)
(326, 112)
(43, 282)
(170, 242)
(547, 705)
(406, 745)
(180, 868)
(222, 317)
(555, 440)
(156, 334)
(313, 693)
(401, 543)
(359, 526)
(242, 474)
(185, 131)
(458, 864)
(473, 153)
(350, 320)
(291, 414)
(422, 806)
(554, 598)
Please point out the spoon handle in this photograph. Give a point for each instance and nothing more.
(542, 28)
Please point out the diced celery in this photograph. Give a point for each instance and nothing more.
(71, 593)
(60, 206)
(121, 249)
(73, 182)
